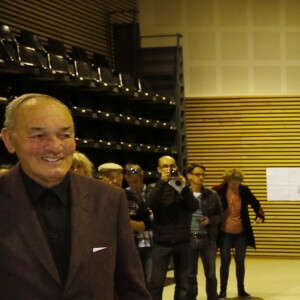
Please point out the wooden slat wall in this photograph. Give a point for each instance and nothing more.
(251, 134)
(75, 22)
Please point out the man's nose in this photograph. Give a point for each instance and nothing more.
(53, 143)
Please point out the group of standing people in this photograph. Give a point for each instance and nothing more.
(192, 221)
(73, 236)
(188, 221)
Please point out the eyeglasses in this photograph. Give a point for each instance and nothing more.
(165, 166)
(133, 171)
(198, 174)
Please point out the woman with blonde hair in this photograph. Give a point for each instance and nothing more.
(82, 165)
(236, 230)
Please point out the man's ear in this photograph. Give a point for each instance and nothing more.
(158, 170)
(7, 139)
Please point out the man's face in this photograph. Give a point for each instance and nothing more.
(135, 182)
(43, 140)
(166, 164)
(196, 178)
(114, 177)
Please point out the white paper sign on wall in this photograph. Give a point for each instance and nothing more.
(283, 184)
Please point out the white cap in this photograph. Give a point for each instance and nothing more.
(110, 167)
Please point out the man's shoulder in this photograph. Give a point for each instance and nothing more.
(10, 179)
(150, 186)
(209, 192)
(93, 185)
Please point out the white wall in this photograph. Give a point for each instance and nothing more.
(231, 47)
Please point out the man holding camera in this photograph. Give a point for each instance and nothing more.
(172, 203)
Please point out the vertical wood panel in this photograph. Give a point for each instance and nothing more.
(252, 134)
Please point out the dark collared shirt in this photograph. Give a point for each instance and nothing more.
(53, 210)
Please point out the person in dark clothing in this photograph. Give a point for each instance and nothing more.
(112, 173)
(134, 176)
(63, 235)
(204, 233)
(236, 230)
(172, 203)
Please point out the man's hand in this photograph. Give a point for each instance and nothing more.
(182, 179)
(205, 221)
(138, 225)
(165, 175)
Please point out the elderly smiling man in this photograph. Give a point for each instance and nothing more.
(63, 236)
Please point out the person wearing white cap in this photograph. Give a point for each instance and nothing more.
(111, 173)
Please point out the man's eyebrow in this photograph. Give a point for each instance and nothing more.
(35, 128)
(43, 128)
(67, 128)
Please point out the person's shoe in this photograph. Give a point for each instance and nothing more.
(222, 294)
(243, 294)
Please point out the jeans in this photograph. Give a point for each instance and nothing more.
(239, 243)
(207, 250)
(146, 259)
(162, 252)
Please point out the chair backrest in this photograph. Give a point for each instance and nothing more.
(106, 75)
(28, 56)
(83, 66)
(9, 42)
(144, 85)
(58, 48)
(3, 53)
(80, 54)
(11, 50)
(100, 60)
(85, 71)
(6, 34)
(32, 40)
(127, 81)
(58, 64)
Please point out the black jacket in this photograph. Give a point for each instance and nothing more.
(247, 198)
(138, 211)
(211, 208)
(172, 212)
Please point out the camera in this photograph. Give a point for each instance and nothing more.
(174, 177)
(174, 173)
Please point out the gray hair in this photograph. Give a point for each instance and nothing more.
(12, 108)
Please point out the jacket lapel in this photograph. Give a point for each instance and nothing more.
(18, 205)
(81, 222)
